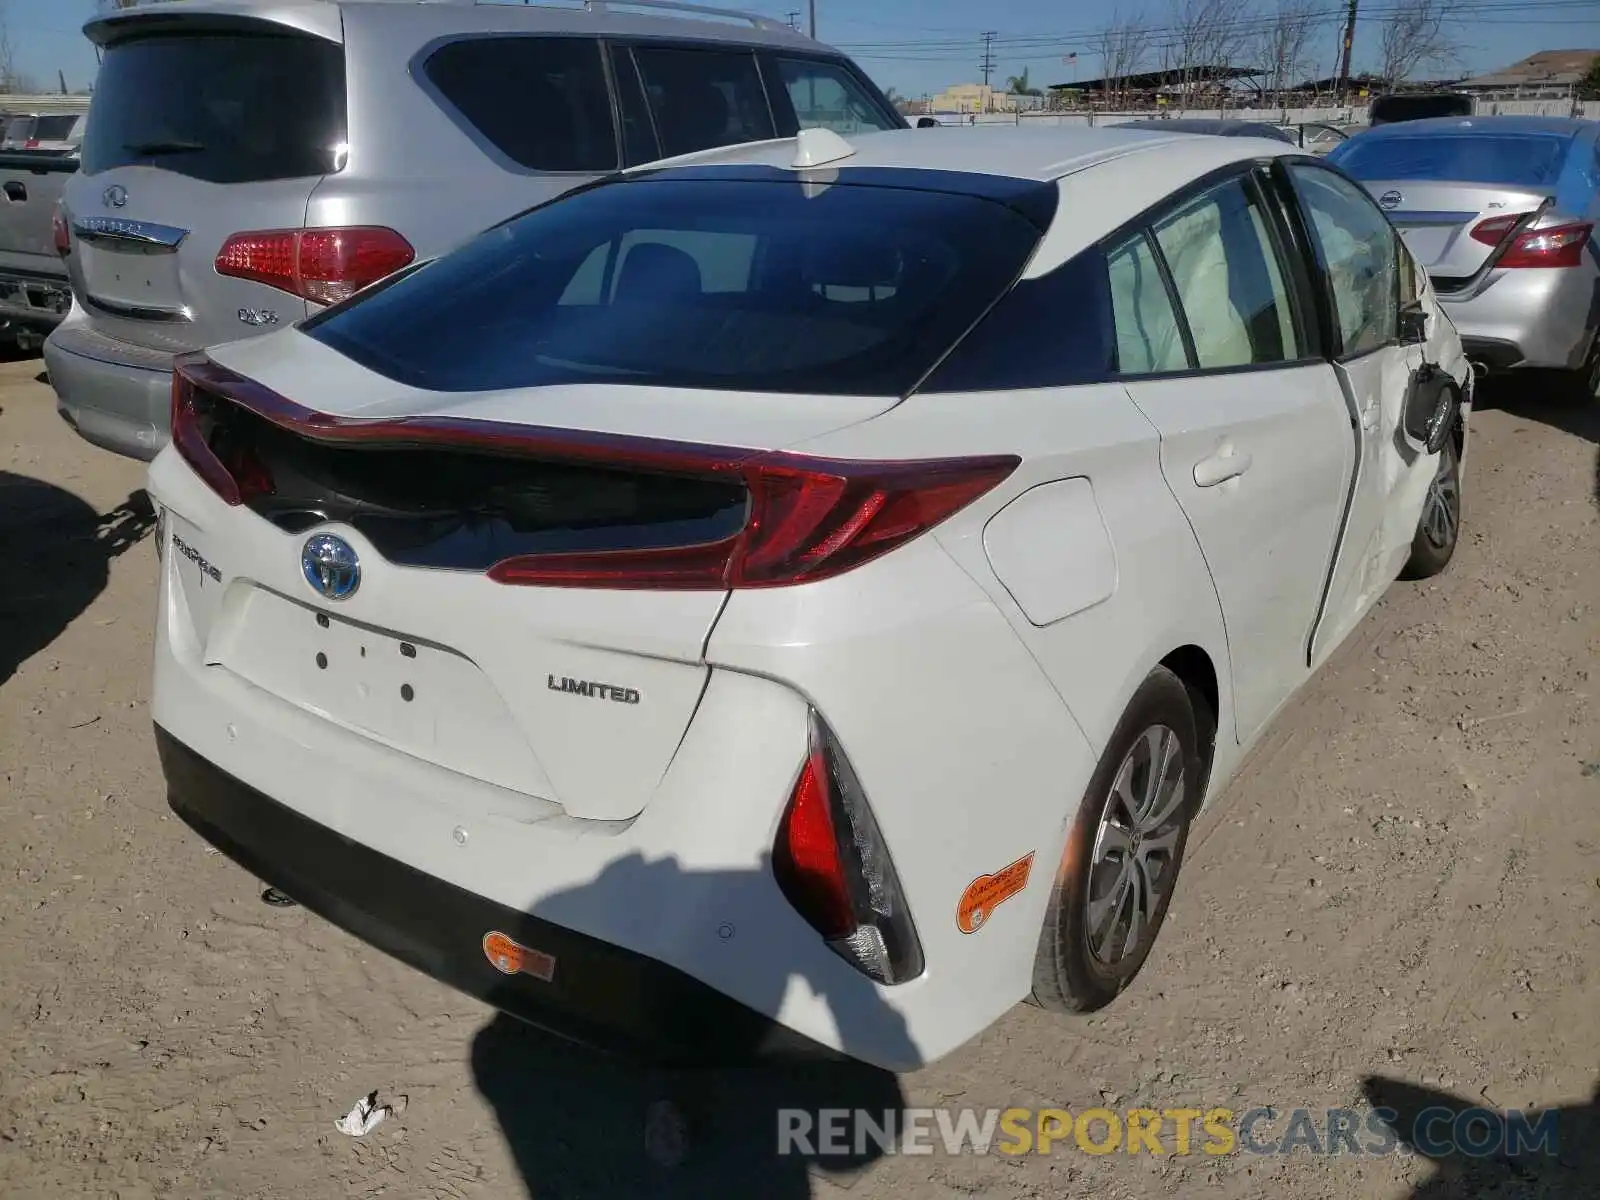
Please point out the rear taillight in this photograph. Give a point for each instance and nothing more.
(832, 866)
(61, 232)
(809, 519)
(324, 266)
(234, 472)
(1560, 246)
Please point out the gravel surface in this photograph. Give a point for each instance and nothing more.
(1397, 902)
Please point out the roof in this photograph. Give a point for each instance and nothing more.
(1469, 126)
(1144, 81)
(1548, 68)
(1018, 152)
(1215, 127)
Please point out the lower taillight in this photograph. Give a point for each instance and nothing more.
(233, 471)
(62, 233)
(833, 867)
(324, 266)
(1558, 246)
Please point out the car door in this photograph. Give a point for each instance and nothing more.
(1219, 350)
(1358, 262)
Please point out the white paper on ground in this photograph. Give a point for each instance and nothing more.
(364, 1117)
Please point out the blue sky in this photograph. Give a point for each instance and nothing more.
(919, 46)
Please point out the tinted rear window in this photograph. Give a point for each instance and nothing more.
(226, 108)
(54, 129)
(1417, 108)
(725, 284)
(1531, 160)
(541, 102)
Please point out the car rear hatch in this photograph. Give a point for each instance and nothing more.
(207, 121)
(1437, 222)
(534, 600)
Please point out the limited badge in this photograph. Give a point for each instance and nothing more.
(513, 958)
(988, 892)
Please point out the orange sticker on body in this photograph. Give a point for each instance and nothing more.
(987, 892)
(513, 958)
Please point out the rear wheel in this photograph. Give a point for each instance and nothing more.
(1586, 379)
(1116, 875)
(1439, 527)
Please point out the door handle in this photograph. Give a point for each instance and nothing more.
(16, 191)
(1220, 467)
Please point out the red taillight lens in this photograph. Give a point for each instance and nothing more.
(810, 519)
(324, 266)
(1560, 246)
(61, 231)
(189, 435)
(831, 864)
(809, 866)
(234, 472)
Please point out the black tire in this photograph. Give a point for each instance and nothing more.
(1584, 384)
(1435, 542)
(1069, 975)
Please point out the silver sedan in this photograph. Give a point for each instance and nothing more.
(1501, 212)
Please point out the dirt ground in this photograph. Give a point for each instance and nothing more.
(1398, 902)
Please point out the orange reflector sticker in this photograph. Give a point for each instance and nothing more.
(987, 892)
(513, 958)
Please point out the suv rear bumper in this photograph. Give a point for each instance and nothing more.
(599, 994)
(119, 406)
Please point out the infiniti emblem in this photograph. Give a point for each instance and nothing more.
(1390, 199)
(115, 196)
(331, 567)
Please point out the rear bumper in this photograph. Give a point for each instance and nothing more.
(1530, 318)
(598, 994)
(116, 405)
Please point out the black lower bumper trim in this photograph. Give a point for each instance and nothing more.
(599, 994)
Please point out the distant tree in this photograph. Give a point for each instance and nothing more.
(1019, 85)
(1589, 85)
(1414, 35)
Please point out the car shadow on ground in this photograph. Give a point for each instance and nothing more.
(582, 1124)
(1548, 399)
(1479, 1151)
(55, 553)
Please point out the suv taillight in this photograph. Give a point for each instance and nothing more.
(832, 866)
(324, 266)
(1560, 246)
(63, 234)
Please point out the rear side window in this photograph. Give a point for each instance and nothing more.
(541, 102)
(826, 95)
(1149, 332)
(732, 285)
(1531, 160)
(226, 108)
(703, 98)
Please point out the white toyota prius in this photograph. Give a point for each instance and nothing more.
(795, 599)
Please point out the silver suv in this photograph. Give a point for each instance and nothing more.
(316, 146)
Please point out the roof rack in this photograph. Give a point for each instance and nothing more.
(602, 7)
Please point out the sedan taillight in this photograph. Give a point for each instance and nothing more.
(1560, 246)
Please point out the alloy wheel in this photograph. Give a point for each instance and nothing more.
(1135, 847)
(1441, 512)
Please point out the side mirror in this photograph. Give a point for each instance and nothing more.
(927, 123)
(1413, 324)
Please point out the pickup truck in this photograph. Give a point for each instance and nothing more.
(34, 291)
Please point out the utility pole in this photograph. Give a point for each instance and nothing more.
(813, 18)
(1349, 39)
(794, 20)
(988, 55)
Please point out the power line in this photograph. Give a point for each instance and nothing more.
(988, 54)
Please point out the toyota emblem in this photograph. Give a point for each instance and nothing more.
(331, 567)
(1390, 199)
(115, 196)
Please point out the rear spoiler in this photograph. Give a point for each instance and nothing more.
(314, 17)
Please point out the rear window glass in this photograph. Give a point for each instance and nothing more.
(226, 108)
(742, 285)
(541, 102)
(1417, 108)
(1528, 161)
(54, 129)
